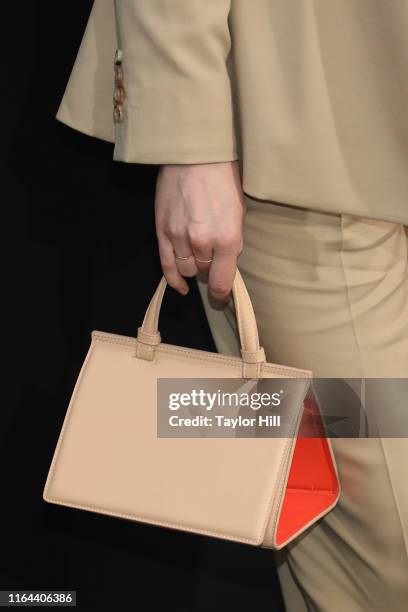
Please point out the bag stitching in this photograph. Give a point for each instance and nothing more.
(194, 353)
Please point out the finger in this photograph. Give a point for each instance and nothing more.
(184, 257)
(202, 248)
(221, 276)
(168, 264)
(203, 258)
(186, 265)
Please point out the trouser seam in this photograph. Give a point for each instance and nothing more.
(381, 441)
(349, 302)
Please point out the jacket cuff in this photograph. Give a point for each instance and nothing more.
(162, 127)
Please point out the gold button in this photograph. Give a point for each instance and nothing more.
(119, 95)
(117, 114)
(118, 75)
(118, 56)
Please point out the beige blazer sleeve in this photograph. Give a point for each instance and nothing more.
(87, 101)
(178, 103)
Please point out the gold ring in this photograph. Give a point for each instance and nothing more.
(204, 261)
(183, 258)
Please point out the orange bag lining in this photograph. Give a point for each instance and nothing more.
(312, 485)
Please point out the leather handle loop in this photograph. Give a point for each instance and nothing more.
(252, 353)
(253, 357)
(147, 338)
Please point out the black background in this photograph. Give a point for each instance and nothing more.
(82, 255)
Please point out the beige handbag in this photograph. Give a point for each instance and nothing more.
(261, 491)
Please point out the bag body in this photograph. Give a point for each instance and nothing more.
(261, 491)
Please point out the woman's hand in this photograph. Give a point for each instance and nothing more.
(200, 212)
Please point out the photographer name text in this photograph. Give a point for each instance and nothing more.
(228, 422)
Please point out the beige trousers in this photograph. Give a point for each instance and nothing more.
(330, 293)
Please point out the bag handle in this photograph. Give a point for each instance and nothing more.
(253, 355)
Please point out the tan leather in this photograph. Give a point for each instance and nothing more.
(310, 96)
(109, 459)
